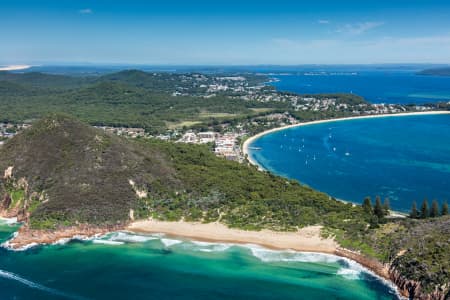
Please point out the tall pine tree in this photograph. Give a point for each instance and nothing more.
(434, 209)
(444, 210)
(378, 209)
(414, 213)
(386, 206)
(367, 206)
(424, 213)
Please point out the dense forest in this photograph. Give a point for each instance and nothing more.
(132, 99)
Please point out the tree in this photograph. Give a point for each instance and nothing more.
(373, 221)
(414, 213)
(444, 210)
(367, 206)
(386, 206)
(434, 209)
(378, 210)
(424, 213)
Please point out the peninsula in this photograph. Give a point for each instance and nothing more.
(63, 178)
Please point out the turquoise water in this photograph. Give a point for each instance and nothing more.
(402, 158)
(127, 266)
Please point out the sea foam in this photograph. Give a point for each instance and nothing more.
(127, 237)
(107, 242)
(34, 285)
(267, 255)
(8, 221)
(211, 247)
(170, 242)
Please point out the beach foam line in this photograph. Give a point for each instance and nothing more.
(34, 285)
(107, 242)
(170, 242)
(8, 221)
(128, 237)
(268, 255)
(211, 247)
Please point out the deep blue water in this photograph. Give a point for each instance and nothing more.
(402, 158)
(376, 86)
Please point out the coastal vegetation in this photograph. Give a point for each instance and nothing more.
(425, 212)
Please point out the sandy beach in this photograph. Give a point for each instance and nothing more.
(305, 239)
(14, 68)
(249, 141)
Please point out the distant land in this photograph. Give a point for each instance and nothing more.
(436, 72)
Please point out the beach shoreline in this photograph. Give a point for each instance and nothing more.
(250, 140)
(307, 239)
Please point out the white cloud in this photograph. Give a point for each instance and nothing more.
(322, 21)
(86, 11)
(358, 28)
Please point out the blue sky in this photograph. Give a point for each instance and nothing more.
(224, 32)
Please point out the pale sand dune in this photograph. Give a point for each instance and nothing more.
(14, 68)
(245, 146)
(305, 239)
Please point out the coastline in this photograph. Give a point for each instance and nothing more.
(250, 140)
(306, 239)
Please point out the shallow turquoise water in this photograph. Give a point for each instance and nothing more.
(156, 267)
(402, 158)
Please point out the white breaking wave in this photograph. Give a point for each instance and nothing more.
(131, 238)
(31, 284)
(267, 255)
(62, 241)
(8, 221)
(211, 247)
(347, 273)
(107, 242)
(349, 269)
(170, 242)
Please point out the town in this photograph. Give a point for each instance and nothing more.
(9, 130)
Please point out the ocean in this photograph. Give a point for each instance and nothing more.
(387, 85)
(123, 265)
(404, 159)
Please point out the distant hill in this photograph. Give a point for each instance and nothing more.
(436, 72)
(42, 80)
